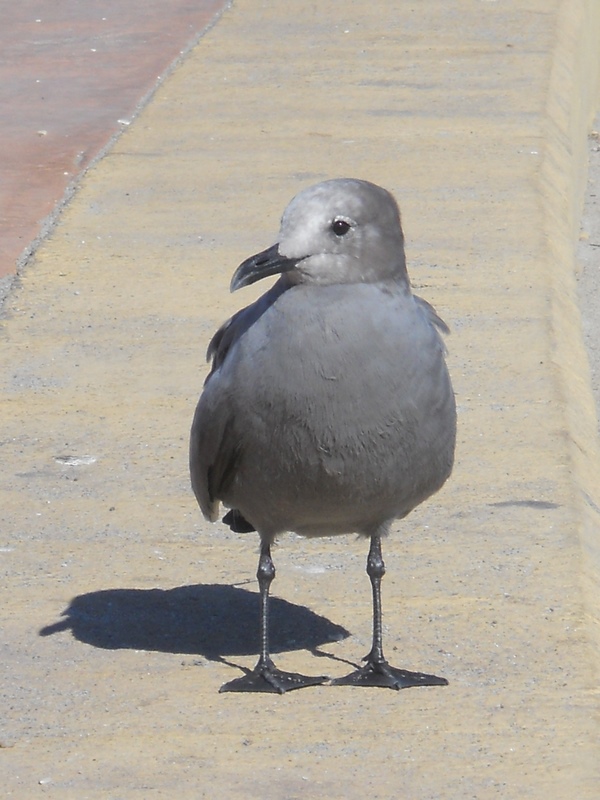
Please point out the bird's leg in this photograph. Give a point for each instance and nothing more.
(265, 677)
(376, 571)
(377, 671)
(265, 575)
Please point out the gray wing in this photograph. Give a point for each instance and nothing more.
(215, 445)
(432, 314)
(230, 331)
(214, 450)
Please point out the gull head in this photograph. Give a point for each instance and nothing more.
(340, 231)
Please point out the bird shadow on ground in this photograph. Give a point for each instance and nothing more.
(212, 620)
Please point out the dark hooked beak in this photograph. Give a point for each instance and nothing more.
(255, 268)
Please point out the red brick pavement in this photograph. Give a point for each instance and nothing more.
(69, 72)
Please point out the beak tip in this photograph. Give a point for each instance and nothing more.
(241, 277)
(253, 269)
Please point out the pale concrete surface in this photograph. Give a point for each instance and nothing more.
(475, 115)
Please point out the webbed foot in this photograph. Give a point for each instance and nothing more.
(265, 677)
(380, 673)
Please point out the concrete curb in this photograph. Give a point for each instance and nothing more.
(574, 95)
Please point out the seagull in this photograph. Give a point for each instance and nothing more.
(328, 408)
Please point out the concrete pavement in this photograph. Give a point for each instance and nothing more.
(123, 611)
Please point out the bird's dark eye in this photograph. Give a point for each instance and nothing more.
(340, 227)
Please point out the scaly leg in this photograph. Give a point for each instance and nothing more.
(265, 677)
(377, 671)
